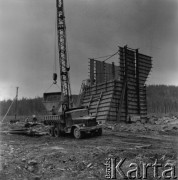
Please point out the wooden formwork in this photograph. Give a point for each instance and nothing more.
(119, 94)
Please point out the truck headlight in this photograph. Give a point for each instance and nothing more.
(83, 125)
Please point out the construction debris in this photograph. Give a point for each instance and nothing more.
(29, 128)
(152, 124)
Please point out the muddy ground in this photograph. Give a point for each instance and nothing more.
(45, 157)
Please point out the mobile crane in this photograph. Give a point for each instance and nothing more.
(72, 120)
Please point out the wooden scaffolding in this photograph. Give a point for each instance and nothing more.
(118, 93)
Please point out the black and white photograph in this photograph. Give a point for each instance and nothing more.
(88, 89)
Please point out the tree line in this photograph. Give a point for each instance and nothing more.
(160, 99)
(25, 106)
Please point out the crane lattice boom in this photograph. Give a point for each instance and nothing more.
(63, 61)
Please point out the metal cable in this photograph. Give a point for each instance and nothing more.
(110, 56)
(105, 56)
(55, 46)
(58, 86)
(49, 87)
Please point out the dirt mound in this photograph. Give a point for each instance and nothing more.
(153, 124)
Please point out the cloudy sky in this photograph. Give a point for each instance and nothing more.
(94, 28)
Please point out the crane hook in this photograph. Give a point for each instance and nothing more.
(55, 78)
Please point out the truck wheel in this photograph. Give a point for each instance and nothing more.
(77, 133)
(100, 132)
(57, 132)
(51, 131)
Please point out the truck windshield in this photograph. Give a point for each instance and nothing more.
(79, 113)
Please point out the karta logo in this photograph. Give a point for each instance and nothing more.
(138, 171)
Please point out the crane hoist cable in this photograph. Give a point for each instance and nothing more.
(55, 57)
(55, 53)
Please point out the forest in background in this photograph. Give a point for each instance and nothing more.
(160, 99)
(26, 106)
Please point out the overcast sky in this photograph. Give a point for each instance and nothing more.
(94, 28)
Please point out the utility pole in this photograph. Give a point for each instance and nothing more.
(16, 97)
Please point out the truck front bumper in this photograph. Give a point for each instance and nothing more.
(90, 129)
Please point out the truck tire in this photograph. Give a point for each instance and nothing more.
(77, 133)
(100, 132)
(51, 131)
(57, 132)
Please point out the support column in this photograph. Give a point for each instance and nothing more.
(138, 81)
(126, 82)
